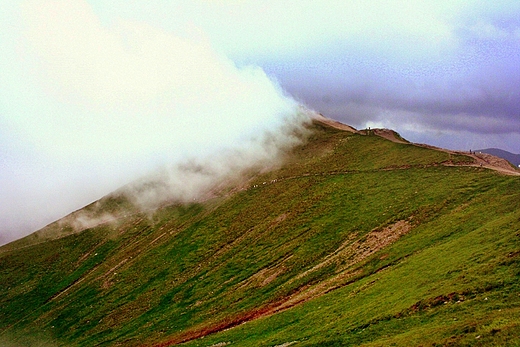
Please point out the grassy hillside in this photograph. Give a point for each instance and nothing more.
(355, 240)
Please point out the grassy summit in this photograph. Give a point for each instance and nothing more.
(354, 240)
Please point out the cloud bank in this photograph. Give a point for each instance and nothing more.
(95, 93)
(443, 72)
(94, 106)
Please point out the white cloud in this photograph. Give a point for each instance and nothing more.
(130, 86)
(98, 104)
(484, 30)
(281, 29)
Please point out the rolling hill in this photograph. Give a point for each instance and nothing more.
(359, 238)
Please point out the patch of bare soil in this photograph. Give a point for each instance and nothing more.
(351, 252)
(389, 135)
(348, 254)
(487, 161)
(385, 133)
(483, 160)
(263, 277)
(495, 163)
(202, 331)
(333, 123)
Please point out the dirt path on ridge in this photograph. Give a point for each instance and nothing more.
(483, 160)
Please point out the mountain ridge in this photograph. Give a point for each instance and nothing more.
(326, 237)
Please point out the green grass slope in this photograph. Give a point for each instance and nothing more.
(355, 240)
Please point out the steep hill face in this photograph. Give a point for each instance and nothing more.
(354, 240)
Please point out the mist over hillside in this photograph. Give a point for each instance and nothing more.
(97, 94)
(351, 237)
(104, 105)
(186, 190)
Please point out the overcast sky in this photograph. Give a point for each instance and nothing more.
(95, 93)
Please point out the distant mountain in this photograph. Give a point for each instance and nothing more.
(511, 157)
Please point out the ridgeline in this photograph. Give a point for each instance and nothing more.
(359, 239)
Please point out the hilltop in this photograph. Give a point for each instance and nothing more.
(358, 238)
